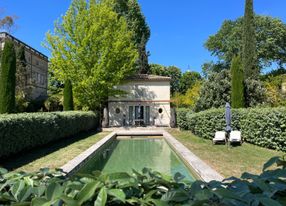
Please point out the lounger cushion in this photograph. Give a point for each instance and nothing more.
(235, 136)
(219, 136)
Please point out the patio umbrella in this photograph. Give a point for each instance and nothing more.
(228, 117)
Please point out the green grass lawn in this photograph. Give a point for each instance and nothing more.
(228, 161)
(54, 155)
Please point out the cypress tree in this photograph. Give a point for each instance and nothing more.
(68, 96)
(8, 78)
(249, 56)
(237, 83)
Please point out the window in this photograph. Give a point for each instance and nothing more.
(160, 111)
(38, 78)
(41, 79)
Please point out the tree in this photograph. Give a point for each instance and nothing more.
(270, 42)
(187, 81)
(249, 58)
(171, 71)
(8, 78)
(68, 96)
(142, 63)
(21, 72)
(130, 9)
(215, 91)
(93, 47)
(189, 99)
(7, 23)
(237, 83)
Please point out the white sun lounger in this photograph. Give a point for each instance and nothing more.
(235, 137)
(219, 137)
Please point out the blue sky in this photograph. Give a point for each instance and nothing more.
(179, 28)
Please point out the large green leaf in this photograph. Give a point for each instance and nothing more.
(17, 188)
(54, 191)
(40, 202)
(118, 194)
(268, 202)
(101, 198)
(270, 162)
(87, 192)
(69, 201)
(3, 171)
(175, 196)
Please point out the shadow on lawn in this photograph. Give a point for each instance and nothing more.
(25, 157)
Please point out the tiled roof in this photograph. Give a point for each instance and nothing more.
(147, 77)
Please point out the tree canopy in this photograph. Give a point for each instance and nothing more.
(171, 71)
(187, 81)
(92, 46)
(130, 9)
(270, 41)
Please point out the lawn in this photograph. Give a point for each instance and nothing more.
(228, 161)
(54, 155)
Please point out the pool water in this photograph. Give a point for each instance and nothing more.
(137, 153)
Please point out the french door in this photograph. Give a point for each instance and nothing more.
(139, 115)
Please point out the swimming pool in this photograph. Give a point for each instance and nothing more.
(126, 154)
(124, 150)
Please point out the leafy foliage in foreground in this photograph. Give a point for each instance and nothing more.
(146, 188)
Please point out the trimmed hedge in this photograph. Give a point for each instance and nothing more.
(19, 132)
(265, 127)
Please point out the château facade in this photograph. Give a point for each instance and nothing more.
(36, 78)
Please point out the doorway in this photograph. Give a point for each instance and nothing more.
(139, 115)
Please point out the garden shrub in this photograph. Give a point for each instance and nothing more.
(19, 132)
(265, 127)
(181, 117)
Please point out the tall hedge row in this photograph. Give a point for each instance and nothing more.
(265, 127)
(19, 132)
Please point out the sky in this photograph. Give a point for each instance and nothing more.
(179, 28)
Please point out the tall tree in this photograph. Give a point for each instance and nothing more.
(68, 96)
(249, 58)
(21, 72)
(171, 71)
(142, 63)
(130, 9)
(8, 78)
(7, 23)
(237, 83)
(228, 42)
(93, 58)
(187, 81)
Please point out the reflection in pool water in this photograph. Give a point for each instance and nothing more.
(125, 155)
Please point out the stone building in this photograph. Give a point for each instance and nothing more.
(37, 68)
(146, 102)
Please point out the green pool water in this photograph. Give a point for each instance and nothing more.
(125, 155)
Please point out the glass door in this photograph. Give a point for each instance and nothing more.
(139, 115)
(147, 115)
(131, 115)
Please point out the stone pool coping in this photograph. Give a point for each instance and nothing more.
(204, 171)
